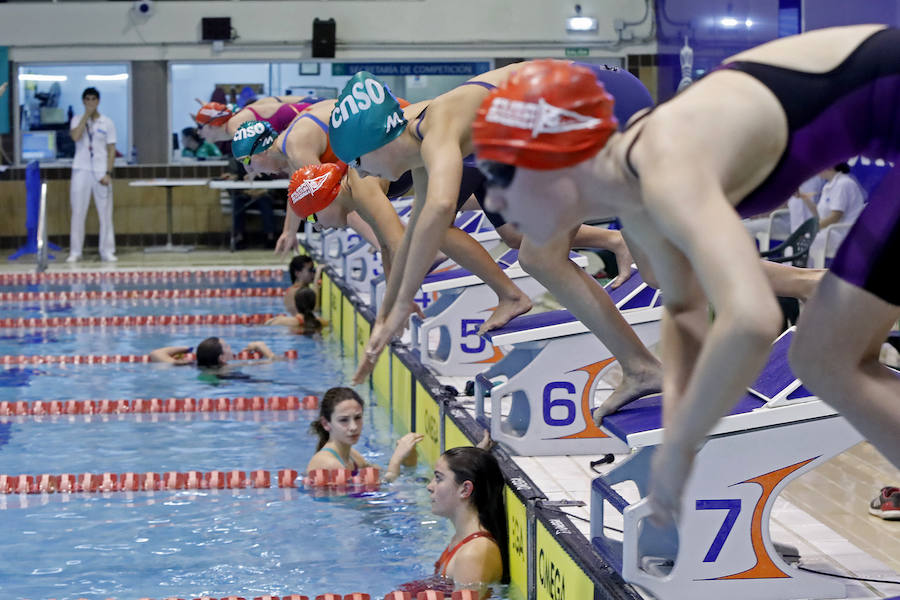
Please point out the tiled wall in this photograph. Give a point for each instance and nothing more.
(139, 213)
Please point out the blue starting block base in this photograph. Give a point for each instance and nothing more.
(33, 202)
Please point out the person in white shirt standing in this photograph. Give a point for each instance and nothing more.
(95, 150)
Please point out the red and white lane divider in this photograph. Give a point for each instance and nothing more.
(155, 405)
(395, 595)
(367, 478)
(104, 359)
(137, 321)
(141, 276)
(167, 294)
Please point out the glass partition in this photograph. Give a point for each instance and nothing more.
(241, 83)
(49, 96)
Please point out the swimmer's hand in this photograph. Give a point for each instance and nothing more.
(624, 261)
(377, 341)
(286, 243)
(405, 454)
(486, 442)
(669, 472)
(261, 348)
(382, 332)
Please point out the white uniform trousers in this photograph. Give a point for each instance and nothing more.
(85, 182)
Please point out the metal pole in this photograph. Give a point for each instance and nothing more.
(42, 232)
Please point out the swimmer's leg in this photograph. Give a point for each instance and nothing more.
(835, 354)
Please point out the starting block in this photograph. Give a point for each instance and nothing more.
(551, 376)
(465, 302)
(722, 547)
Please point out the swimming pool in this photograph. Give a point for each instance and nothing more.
(190, 543)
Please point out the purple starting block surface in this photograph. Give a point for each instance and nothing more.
(645, 414)
(626, 288)
(777, 374)
(468, 221)
(536, 321)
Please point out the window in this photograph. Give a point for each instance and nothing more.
(49, 96)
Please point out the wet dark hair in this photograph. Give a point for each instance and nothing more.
(305, 302)
(298, 263)
(482, 469)
(497, 174)
(842, 167)
(91, 91)
(209, 351)
(191, 132)
(330, 400)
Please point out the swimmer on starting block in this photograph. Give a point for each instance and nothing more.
(736, 143)
(339, 427)
(432, 138)
(217, 122)
(213, 352)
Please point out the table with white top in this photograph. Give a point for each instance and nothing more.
(168, 184)
(230, 184)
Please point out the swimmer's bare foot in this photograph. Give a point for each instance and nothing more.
(633, 386)
(506, 311)
(624, 261)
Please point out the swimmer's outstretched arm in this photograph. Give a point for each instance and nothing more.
(173, 355)
(698, 247)
(261, 348)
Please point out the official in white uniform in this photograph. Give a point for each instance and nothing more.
(95, 150)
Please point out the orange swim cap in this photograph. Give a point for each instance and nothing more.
(550, 114)
(213, 113)
(314, 187)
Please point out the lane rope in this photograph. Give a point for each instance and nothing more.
(39, 408)
(365, 479)
(104, 359)
(154, 294)
(134, 321)
(141, 276)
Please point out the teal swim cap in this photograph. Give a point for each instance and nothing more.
(366, 117)
(252, 137)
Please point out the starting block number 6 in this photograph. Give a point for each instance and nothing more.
(567, 403)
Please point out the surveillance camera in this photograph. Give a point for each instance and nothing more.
(142, 8)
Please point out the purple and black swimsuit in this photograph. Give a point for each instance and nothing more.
(854, 109)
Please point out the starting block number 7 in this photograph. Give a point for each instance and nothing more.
(734, 509)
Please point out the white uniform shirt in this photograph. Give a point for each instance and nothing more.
(844, 194)
(799, 212)
(90, 150)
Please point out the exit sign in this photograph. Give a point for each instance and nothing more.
(578, 52)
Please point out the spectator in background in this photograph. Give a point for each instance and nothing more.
(802, 205)
(261, 199)
(95, 150)
(194, 146)
(3, 87)
(841, 201)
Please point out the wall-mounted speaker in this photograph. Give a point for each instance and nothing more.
(215, 28)
(323, 36)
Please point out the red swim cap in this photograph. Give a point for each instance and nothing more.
(213, 113)
(550, 114)
(314, 187)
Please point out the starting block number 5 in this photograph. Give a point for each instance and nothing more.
(469, 329)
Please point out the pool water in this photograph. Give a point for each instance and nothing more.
(191, 543)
